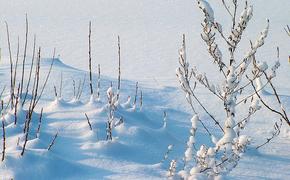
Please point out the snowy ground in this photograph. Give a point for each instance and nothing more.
(150, 36)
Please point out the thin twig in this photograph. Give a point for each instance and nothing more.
(16, 105)
(24, 55)
(39, 123)
(119, 68)
(16, 65)
(99, 81)
(90, 125)
(268, 107)
(30, 72)
(90, 59)
(60, 86)
(227, 9)
(11, 66)
(47, 77)
(277, 128)
(82, 87)
(4, 140)
(136, 94)
(52, 142)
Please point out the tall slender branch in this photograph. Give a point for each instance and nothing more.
(47, 77)
(52, 142)
(90, 59)
(30, 72)
(119, 68)
(16, 65)
(4, 140)
(11, 66)
(99, 81)
(24, 56)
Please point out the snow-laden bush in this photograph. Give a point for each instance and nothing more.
(239, 74)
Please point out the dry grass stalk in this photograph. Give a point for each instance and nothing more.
(39, 123)
(24, 56)
(11, 66)
(4, 140)
(89, 123)
(52, 142)
(90, 59)
(119, 68)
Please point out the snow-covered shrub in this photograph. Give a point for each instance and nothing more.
(112, 104)
(218, 159)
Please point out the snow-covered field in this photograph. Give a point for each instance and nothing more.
(150, 32)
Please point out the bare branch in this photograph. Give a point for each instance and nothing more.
(39, 123)
(90, 59)
(11, 66)
(119, 68)
(52, 142)
(47, 76)
(4, 139)
(90, 125)
(30, 72)
(277, 130)
(24, 55)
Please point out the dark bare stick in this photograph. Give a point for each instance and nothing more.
(136, 94)
(235, 2)
(90, 58)
(39, 123)
(2, 107)
(16, 105)
(99, 81)
(90, 125)
(74, 87)
(52, 142)
(119, 68)
(55, 91)
(4, 140)
(141, 99)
